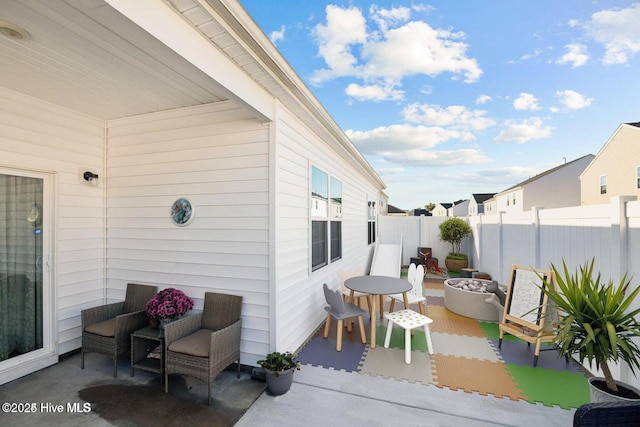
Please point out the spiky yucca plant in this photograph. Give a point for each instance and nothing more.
(595, 322)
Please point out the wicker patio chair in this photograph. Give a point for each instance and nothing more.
(107, 329)
(204, 344)
(607, 414)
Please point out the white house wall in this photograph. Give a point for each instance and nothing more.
(217, 155)
(298, 295)
(35, 135)
(618, 160)
(558, 189)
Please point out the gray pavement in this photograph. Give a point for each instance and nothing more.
(318, 397)
(325, 397)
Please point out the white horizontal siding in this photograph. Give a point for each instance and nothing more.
(217, 156)
(298, 297)
(617, 160)
(35, 135)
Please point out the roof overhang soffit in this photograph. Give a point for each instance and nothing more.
(156, 17)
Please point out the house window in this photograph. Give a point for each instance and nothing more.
(638, 177)
(371, 221)
(336, 219)
(326, 219)
(603, 184)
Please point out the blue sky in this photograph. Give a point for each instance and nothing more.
(450, 98)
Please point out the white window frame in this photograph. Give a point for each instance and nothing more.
(372, 220)
(327, 210)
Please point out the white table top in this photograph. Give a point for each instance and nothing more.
(378, 285)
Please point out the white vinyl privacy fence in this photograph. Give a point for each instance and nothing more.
(609, 233)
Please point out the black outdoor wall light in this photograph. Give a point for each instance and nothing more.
(89, 176)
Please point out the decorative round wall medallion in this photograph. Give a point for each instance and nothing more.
(182, 212)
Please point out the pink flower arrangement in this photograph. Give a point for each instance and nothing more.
(169, 303)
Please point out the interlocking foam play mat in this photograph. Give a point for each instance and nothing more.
(466, 357)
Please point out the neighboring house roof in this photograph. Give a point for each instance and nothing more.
(482, 197)
(418, 212)
(540, 175)
(606, 144)
(446, 205)
(392, 209)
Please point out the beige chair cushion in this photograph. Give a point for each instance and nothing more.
(197, 344)
(106, 328)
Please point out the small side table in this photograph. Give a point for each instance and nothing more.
(143, 342)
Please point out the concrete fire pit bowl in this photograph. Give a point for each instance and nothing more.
(470, 303)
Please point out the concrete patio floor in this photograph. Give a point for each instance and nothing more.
(318, 396)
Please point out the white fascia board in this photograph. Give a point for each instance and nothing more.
(156, 17)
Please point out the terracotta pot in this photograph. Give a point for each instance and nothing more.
(154, 323)
(456, 265)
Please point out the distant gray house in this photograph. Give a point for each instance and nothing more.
(111, 111)
(459, 208)
(554, 188)
(476, 203)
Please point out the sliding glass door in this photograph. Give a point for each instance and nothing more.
(22, 231)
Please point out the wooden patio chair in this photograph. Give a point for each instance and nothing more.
(107, 329)
(204, 344)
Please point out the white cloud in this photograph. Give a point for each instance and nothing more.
(483, 99)
(511, 173)
(400, 137)
(524, 131)
(277, 35)
(390, 171)
(397, 49)
(453, 116)
(618, 31)
(573, 100)
(526, 101)
(417, 48)
(410, 145)
(344, 28)
(386, 17)
(421, 158)
(576, 56)
(373, 92)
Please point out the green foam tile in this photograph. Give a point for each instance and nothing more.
(551, 387)
(418, 341)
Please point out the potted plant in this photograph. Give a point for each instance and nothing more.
(167, 305)
(278, 369)
(454, 230)
(596, 324)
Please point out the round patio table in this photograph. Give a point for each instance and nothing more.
(378, 286)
